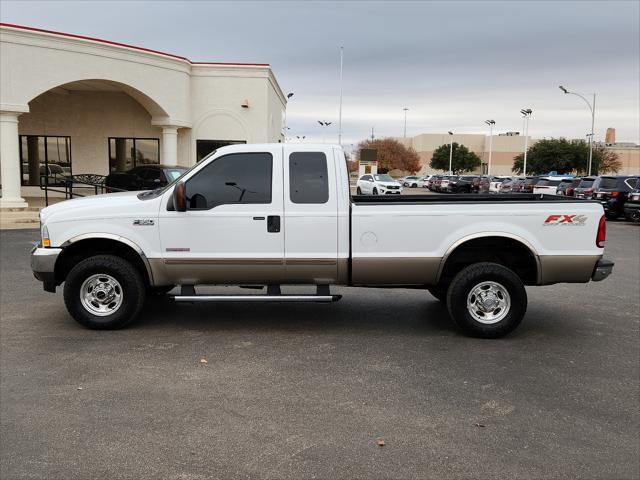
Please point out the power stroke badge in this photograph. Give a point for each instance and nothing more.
(141, 222)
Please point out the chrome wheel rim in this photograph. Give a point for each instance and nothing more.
(488, 302)
(101, 295)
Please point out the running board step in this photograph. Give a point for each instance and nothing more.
(257, 298)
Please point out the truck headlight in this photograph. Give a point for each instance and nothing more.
(44, 233)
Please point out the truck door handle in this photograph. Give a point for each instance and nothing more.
(273, 223)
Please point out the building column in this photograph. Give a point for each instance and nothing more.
(169, 146)
(10, 168)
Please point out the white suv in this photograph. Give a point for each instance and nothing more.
(378, 184)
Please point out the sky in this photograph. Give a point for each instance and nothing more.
(453, 64)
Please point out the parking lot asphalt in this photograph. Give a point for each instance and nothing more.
(308, 390)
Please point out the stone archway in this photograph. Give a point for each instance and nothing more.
(90, 114)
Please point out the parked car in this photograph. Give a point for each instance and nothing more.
(507, 185)
(411, 181)
(431, 184)
(485, 183)
(496, 183)
(422, 181)
(549, 185)
(378, 184)
(444, 184)
(147, 177)
(584, 188)
(528, 184)
(281, 214)
(612, 193)
(437, 183)
(632, 206)
(517, 184)
(461, 184)
(567, 187)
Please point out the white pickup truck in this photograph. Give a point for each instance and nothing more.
(281, 214)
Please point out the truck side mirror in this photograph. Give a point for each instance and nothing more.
(180, 197)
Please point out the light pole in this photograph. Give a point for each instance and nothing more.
(592, 107)
(340, 112)
(526, 114)
(324, 125)
(405, 121)
(491, 123)
(289, 95)
(450, 153)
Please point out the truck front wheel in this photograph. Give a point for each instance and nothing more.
(104, 292)
(487, 300)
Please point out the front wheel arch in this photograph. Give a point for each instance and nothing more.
(75, 251)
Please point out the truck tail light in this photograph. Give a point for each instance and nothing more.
(602, 233)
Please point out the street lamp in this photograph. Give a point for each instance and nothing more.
(324, 126)
(405, 121)
(526, 114)
(450, 153)
(491, 123)
(592, 108)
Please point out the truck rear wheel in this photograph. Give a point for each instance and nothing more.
(104, 292)
(487, 300)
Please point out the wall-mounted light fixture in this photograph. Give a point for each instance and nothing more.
(245, 103)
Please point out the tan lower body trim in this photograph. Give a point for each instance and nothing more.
(395, 271)
(567, 268)
(259, 271)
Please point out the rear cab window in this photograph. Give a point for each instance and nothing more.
(308, 177)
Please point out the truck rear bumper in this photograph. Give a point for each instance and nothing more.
(43, 262)
(602, 270)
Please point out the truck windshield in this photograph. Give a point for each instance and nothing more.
(383, 178)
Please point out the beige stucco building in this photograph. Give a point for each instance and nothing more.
(504, 148)
(73, 105)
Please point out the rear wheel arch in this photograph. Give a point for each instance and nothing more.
(510, 251)
(84, 246)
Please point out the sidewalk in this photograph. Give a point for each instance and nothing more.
(28, 218)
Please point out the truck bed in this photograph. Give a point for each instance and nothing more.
(462, 198)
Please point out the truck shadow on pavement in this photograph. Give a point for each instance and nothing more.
(429, 317)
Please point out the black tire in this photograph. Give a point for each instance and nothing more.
(375, 191)
(358, 191)
(131, 285)
(439, 292)
(414, 185)
(472, 277)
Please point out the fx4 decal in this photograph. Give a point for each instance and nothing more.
(565, 220)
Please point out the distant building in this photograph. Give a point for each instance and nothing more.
(505, 147)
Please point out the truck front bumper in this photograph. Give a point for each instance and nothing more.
(602, 270)
(43, 262)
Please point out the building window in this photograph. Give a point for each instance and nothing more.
(45, 160)
(205, 147)
(308, 179)
(127, 153)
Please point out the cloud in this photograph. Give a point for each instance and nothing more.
(453, 64)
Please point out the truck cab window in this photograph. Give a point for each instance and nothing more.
(231, 179)
(308, 182)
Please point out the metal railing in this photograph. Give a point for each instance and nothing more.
(69, 185)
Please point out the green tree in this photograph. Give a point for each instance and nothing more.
(566, 156)
(463, 160)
